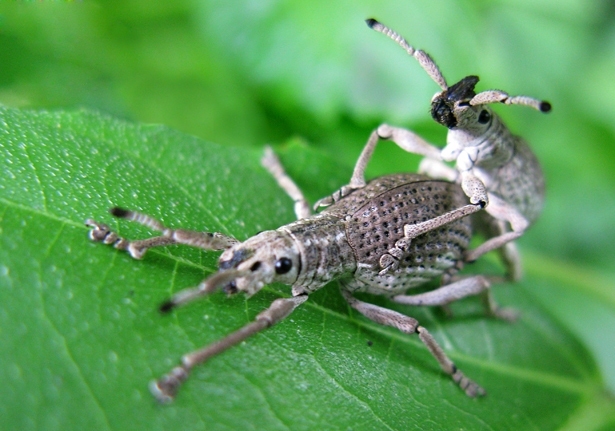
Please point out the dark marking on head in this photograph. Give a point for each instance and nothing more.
(231, 288)
(238, 257)
(443, 106)
(462, 90)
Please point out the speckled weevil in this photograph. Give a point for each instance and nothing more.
(495, 168)
(344, 242)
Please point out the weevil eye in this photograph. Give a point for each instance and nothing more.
(283, 265)
(484, 117)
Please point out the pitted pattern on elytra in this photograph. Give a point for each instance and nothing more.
(377, 226)
(430, 255)
(357, 198)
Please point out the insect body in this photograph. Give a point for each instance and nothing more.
(495, 168)
(345, 242)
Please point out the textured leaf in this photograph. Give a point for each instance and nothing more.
(79, 333)
(81, 337)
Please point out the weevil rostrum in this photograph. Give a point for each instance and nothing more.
(495, 168)
(344, 243)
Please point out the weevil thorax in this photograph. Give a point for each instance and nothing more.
(324, 249)
(269, 257)
(476, 136)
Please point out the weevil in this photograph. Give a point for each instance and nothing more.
(495, 168)
(344, 243)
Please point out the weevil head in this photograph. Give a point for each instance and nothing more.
(452, 108)
(445, 106)
(270, 256)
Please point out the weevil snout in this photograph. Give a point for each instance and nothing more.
(270, 256)
(446, 105)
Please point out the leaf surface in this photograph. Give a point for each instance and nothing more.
(81, 337)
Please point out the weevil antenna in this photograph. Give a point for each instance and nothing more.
(165, 388)
(422, 57)
(498, 96)
(206, 287)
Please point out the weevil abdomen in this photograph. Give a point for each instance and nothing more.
(348, 239)
(376, 226)
(520, 181)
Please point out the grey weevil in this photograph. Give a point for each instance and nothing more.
(495, 168)
(343, 242)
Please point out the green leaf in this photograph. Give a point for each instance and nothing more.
(249, 72)
(81, 337)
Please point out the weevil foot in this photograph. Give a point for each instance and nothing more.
(471, 388)
(100, 232)
(388, 263)
(165, 388)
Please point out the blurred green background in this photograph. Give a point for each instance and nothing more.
(246, 73)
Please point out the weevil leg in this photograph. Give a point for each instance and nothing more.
(357, 180)
(358, 174)
(165, 388)
(475, 189)
(409, 325)
(432, 164)
(272, 163)
(502, 211)
(474, 285)
(472, 186)
(509, 254)
(390, 261)
(206, 240)
(407, 140)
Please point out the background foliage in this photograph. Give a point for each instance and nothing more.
(79, 334)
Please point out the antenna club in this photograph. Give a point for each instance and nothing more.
(119, 212)
(166, 307)
(544, 107)
(371, 22)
